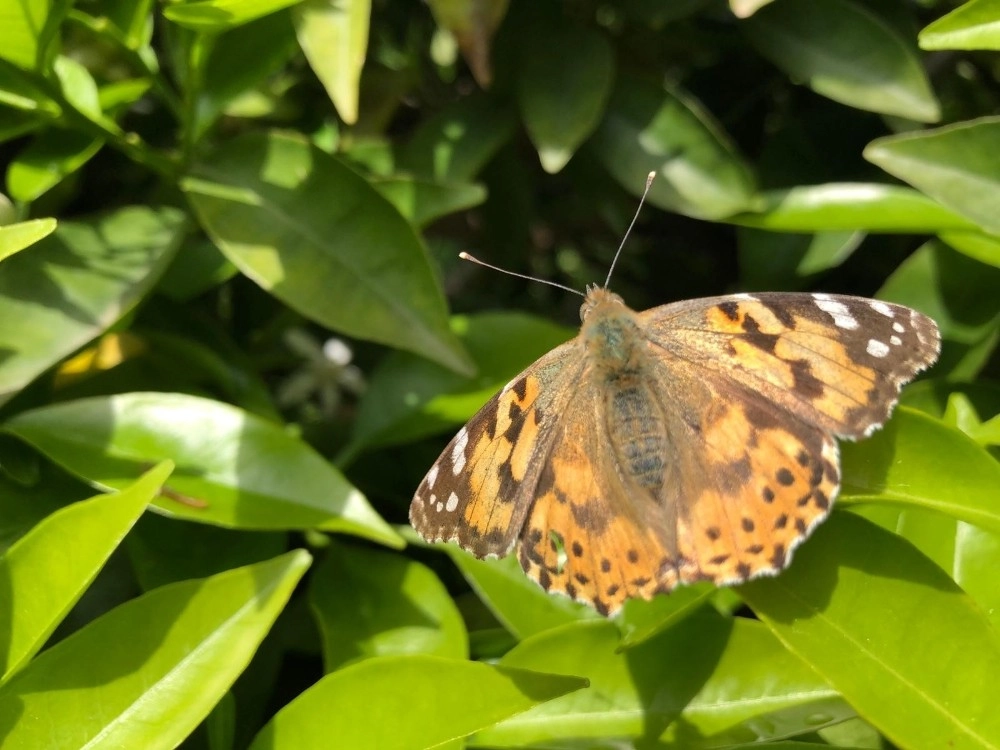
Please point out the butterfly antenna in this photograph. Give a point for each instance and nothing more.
(649, 182)
(466, 256)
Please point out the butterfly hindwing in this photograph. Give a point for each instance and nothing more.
(480, 489)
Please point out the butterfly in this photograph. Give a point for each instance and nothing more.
(695, 441)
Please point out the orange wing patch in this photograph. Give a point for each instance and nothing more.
(769, 483)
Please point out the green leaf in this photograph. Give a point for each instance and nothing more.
(369, 603)
(166, 550)
(710, 681)
(473, 24)
(46, 571)
(21, 27)
(973, 25)
(890, 631)
(333, 35)
(976, 245)
(959, 294)
(16, 237)
(564, 81)
(650, 129)
(228, 72)
(424, 201)
(847, 206)
(146, 673)
(918, 461)
(234, 469)
(51, 156)
(642, 620)
(969, 554)
(408, 398)
(457, 142)
(520, 604)
(76, 283)
(770, 260)
(957, 165)
(79, 87)
(407, 703)
(843, 51)
(213, 16)
(317, 236)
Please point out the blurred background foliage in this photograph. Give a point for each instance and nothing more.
(231, 306)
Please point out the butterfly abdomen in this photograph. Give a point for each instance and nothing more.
(638, 434)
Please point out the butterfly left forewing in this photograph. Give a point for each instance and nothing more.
(479, 490)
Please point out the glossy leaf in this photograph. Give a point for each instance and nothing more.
(650, 129)
(75, 283)
(409, 398)
(457, 142)
(642, 620)
(21, 26)
(972, 25)
(234, 469)
(50, 157)
(958, 293)
(407, 703)
(850, 206)
(423, 201)
(16, 237)
(520, 604)
(914, 668)
(212, 16)
(770, 260)
(710, 681)
(918, 461)
(844, 51)
(956, 165)
(155, 665)
(981, 247)
(46, 571)
(333, 35)
(564, 82)
(227, 72)
(967, 553)
(370, 603)
(165, 550)
(473, 23)
(352, 263)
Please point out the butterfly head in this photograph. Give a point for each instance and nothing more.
(599, 300)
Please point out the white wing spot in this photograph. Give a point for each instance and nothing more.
(895, 340)
(877, 348)
(881, 307)
(744, 296)
(439, 507)
(458, 452)
(452, 503)
(432, 476)
(433, 498)
(842, 317)
(898, 327)
(507, 387)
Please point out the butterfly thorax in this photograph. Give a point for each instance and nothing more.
(618, 362)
